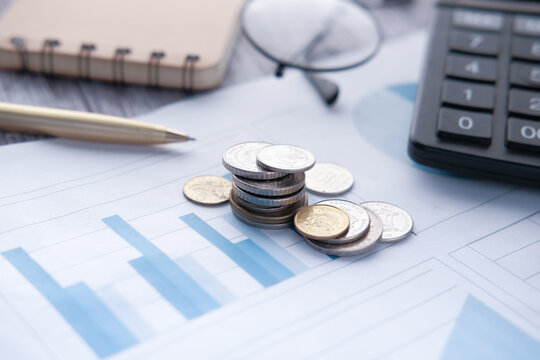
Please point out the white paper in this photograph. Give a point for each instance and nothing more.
(473, 238)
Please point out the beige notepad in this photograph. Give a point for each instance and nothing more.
(170, 43)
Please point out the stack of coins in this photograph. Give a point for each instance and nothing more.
(268, 182)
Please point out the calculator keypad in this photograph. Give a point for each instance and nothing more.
(478, 108)
(472, 84)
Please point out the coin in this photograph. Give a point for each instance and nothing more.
(358, 217)
(241, 160)
(259, 208)
(285, 216)
(398, 224)
(207, 190)
(269, 200)
(328, 179)
(321, 222)
(261, 225)
(285, 158)
(360, 246)
(288, 184)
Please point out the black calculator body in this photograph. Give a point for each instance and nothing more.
(478, 103)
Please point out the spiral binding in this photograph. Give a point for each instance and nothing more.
(153, 67)
(84, 60)
(20, 46)
(118, 60)
(188, 70)
(118, 74)
(48, 52)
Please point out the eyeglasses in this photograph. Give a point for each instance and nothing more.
(314, 36)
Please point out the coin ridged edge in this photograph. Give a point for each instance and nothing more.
(250, 185)
(268, 201)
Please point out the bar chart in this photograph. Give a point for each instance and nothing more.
(182, 282)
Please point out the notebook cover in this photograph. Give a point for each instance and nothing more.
(191, 39)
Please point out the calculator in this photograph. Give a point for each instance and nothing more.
(478, 102)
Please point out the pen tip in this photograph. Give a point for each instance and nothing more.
(191, 138)
(174, 136)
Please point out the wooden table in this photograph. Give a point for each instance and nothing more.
(396, 18)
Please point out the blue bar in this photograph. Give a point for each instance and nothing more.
(228, 176)
(271, 265)
(166, 288)
(138, 326)
(205, 279)
(102, 316)
(481, 333)
(266, 243)
(77, 311)
(229, 249)
(167, 269)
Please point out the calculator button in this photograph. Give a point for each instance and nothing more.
(527, 25)
(467, 94)
(524, 102)
(465, 125)
(470, 67)
(526, 48)
(489, 21)
(474, 42)
(523, 133)
(523, 74)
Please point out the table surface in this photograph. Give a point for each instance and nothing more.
(396, 17)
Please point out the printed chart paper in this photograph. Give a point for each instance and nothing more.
(101, 256)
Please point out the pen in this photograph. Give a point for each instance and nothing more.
(84, 126)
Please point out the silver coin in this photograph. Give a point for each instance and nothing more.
(360, 246)
(328, 179)
(261, 225)
(285, 158)
(285, 216)
(398, 224)
(259, 208)
(268, 200)
(241, 160)
(288, 184)
(359, 220)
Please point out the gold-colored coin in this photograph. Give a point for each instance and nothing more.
(321, 222)
(208, 190)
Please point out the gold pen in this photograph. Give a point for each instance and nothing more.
(84, 126)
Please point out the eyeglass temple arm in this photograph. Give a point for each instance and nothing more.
(328, 90)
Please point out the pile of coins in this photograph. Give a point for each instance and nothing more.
(268, 191)
(268, 182)
(343, 228)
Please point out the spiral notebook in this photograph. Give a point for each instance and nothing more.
(170, 43)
